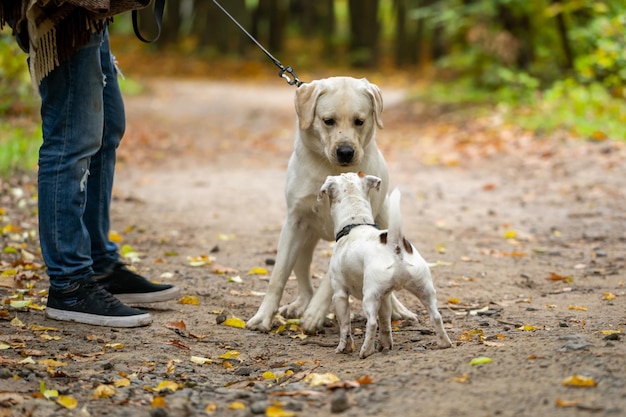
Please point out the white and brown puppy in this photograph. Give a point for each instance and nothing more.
(369, 263)
(337, 120)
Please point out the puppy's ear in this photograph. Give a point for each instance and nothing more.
(377, 101)
(372, 182)
(326, 189)
(305, 101)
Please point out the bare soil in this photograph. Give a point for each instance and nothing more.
(526, 234)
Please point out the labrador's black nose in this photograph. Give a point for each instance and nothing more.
(345, 153)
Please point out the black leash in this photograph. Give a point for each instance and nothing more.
(292, 78)
(159, 6)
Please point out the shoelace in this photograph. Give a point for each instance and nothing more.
(104, 295)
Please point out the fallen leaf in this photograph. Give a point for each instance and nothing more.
(527, 328)
(510, 234)
(565, 403)
(462, 379)
(158, 401)
(199, 360)
(210, 408)
(579, 381)
(258, 271)
(104, 391)
(175, 325)
(236, 405)
(189, 299)
(277, 411)
(200, 260)
(608, 296)
(236, 279)
(481, 360)
(121, 383)
(231, 354)
(579, 308)
(454, 301)
(557, 277)
(365, 380)
(315, 379)
(67, 401)
(114, 345)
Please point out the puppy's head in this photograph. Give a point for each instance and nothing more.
(354, 186)
(339, 116)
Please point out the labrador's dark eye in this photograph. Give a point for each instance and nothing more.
(358, 122)
(329, 122)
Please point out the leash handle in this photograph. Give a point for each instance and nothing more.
(159, 6)
(292, 78)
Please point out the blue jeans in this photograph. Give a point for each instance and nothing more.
(83, 121)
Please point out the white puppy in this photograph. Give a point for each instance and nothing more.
(337, 120)
(369, 263)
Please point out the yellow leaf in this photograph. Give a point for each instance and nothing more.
(4, 346)
(104, 391)
(527, 328)
(200, 260)
(20, 303)
(462, 379)
(236, 405)
(27, 361)
(608, 296)
(235, 322)
(224, 236)
(481, 360)
(199, 360)
(230, 354)
(315, 379)
(454, 301)
(579, 308)
(15, 322)
(114, 345)
(510, 234)
(269, 375)
(277, 411)
(189, 299)
(67, 401)
(441, 248)
(158, 402)
(115, 237)
(52, 363)
(167, 385)
(210, 408)
(579, 381)
(565, 403)
(37, 328)
(610, 332)
(122, 382)
(258, 271)
(50, 393)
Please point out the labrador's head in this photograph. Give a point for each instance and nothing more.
(339, 115)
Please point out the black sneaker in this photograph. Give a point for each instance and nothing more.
(87, 302)
(131, 288)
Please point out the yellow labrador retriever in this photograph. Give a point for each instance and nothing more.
(336, 129)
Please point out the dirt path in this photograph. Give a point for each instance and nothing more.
(528, 236)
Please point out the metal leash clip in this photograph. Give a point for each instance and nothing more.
(293, 80)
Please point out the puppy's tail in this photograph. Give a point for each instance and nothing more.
(394, 232)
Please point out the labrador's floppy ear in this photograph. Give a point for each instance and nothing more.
(306, 100)
(377, 101)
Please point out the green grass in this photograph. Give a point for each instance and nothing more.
(585, 111)
(19, 147)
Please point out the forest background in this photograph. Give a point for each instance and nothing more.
(544, 64)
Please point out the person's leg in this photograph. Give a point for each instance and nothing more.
(72, 124)
(108, 269)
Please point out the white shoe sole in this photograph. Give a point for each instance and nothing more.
(149, 297)
(93, 319)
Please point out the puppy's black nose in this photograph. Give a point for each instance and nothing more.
(345, 153)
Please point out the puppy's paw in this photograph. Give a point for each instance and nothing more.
(345, 347)
(312, 321)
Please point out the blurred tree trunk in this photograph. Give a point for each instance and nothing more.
(408, 35)
(518, 24)
(565, 43)
(269, 23)
(214, 29)
(364, 30)
(172, 20)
